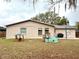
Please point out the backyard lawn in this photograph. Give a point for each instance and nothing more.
(37, 49)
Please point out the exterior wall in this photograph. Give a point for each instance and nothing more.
(71, 33)
(32, 30)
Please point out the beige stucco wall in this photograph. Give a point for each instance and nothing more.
(32, 30)
(70, 33)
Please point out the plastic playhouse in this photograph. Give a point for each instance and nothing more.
(53, 39)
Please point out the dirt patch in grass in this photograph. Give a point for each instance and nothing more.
(37, 49)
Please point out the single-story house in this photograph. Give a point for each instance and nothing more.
(36, 29)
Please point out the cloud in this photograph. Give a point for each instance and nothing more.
(17, 10)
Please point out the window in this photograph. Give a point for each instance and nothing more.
(39, 31)
(23, 30)
(46, 30)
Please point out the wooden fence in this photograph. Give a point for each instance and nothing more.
(77, 34)
(2, 34)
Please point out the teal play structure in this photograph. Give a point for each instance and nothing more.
(53, 39)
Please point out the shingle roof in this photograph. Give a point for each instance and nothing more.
(64, 27)
(28, 21)
(77, 30)
(56, 26)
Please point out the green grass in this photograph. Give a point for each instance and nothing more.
(37, 49)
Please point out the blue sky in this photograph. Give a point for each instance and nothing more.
(17, 10)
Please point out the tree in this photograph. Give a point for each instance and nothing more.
(77, 25)
(51, 18)
(63, 21)
(69, 3)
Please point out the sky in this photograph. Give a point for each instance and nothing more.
(17, 10)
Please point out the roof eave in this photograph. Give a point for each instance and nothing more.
(27, 21)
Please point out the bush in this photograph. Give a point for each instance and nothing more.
(60, 35)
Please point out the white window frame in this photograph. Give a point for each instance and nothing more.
(40, 29)
(23, 30)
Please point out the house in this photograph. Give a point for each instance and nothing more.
(35, 29)
(2, 32)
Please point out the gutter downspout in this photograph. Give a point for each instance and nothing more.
(66, 31)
